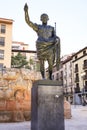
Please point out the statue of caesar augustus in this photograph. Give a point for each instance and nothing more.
(47, 44)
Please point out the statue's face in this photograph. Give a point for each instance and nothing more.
(44, 18)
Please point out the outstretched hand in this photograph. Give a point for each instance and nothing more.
(26, 7)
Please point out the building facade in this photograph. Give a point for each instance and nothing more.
(19, 46)
(5, 42)
(80, 69)
(68, 78)
(74, 76)
(80, 75)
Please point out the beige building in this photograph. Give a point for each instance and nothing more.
(19, 46)
(24, 50)
(80, 76)
(74, 76)
(80, 70)
(68, 78)
(5, 42)
(64, 72)
(58, 74)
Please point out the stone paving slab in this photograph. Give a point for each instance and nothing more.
(77, 122)
(15, 126)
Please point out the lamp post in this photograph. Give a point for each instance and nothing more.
(74, 95)
(83, 89)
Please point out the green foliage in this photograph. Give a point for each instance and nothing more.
(38, 66)
(34, 65)
(31, 62)
(19, 61)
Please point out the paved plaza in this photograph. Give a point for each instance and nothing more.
(15, 126)
(77, 122)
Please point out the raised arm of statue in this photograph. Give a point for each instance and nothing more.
(27, 18)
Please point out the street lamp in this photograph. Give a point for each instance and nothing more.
(83, 89)
(74, 94)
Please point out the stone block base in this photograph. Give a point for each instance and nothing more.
(47, 110)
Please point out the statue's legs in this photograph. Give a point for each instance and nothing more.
(42, 68)
(50, 63)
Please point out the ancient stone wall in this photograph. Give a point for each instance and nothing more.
(67, 110)
(15, 94)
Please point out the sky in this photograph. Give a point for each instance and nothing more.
(70, 17)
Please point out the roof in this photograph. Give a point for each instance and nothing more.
(16, 42)
(80, 51)
(7, 21)
(68, 59)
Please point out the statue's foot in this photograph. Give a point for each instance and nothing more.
(44, 78)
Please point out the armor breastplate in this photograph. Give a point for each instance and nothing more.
(45, 32)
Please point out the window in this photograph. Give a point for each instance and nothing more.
(77, 89)
(76, 67)
(3, 28)
(77, 78)
(84, 52)
(75, 57)
(86, 86)
(57, 76)
(15, 47)
(1, 54)
(85, 62)
(2, 41)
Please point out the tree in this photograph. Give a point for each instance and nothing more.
(19, 61)
(31, 64)
(34, 65)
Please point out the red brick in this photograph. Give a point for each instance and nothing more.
(19, 105)
(10, 105)
(2, 105)
(26, 105)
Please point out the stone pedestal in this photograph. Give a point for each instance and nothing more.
(47, 110)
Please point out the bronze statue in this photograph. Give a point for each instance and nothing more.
(47, 44)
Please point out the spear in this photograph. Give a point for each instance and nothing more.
(57, 50)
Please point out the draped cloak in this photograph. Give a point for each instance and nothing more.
(47, 45)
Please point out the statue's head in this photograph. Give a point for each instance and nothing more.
(44, 18)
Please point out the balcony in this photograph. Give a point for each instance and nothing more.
(61, 77)
(77, 90)
(77, 79)
(84, 66)
(76, 70)
(85, 77)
